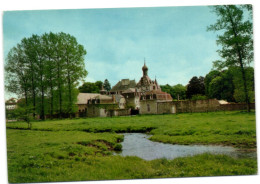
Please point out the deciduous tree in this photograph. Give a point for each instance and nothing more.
(195, 87)
(235, 39)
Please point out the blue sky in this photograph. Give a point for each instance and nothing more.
(173, 40)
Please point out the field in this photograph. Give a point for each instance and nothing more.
(82, 149)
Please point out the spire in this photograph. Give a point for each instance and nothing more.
(145, 69)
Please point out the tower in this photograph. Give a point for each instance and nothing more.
(145, 69)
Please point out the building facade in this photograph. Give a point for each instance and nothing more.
(127, 98)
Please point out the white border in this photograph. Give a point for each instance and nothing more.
(9, 5)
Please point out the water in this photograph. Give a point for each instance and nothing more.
(138, 144)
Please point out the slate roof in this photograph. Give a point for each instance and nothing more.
(129, 90)
(160, 95)
(120, 87)
(84, 97)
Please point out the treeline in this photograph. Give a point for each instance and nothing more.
(94, 87)
(222, 85)
(44, 72)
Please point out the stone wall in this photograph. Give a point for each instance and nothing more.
(93, 111)
(208, 105)
(121, 112)
(197, 105)
(148, 107)
(132, 101)
(166, 108)
(236, 106)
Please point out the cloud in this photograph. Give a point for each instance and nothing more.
(173, 40)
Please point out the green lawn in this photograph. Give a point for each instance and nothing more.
(82, 149)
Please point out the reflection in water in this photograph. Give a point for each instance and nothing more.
(137, 144)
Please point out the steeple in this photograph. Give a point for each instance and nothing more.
(145, 69)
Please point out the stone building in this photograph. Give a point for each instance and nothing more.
(122, 85)
(156, 102)
(146, 84)
(127, 98)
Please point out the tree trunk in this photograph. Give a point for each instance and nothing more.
(51, 110)
(245, 87)
(34, 96)
(239, 53)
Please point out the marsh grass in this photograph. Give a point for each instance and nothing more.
(82, 149)
(227, 128)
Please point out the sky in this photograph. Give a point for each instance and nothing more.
(173, 41)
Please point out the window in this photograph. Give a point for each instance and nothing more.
(148, 107)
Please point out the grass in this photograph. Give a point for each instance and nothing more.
(82, 149)
(227, 128)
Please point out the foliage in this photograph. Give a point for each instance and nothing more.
(236, 39)
(45, 71)
(24, 113)
(239, 94)
(89, 87)
(99, 84)
(195, 87)
(177, 91)
(221, 87)
(167, 88)
(228, 84)
(198, 97)
(208, 78)
(107, 85)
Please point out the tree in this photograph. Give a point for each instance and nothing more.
(49, 42)
(107, 85)
(221, 87)
(195, 87)
(74, 68)
(168, 89)
(89, 87)
(45, 71)
(179, 92)
(17, 73)
(239, 94)
(208, 78)
(236, 39)
(99, 84)
(24, 112)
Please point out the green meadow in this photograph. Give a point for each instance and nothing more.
(83, 149)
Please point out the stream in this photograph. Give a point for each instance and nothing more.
(138, 144)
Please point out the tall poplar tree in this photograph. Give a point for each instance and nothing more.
(45, 70)
(74, 68)
(236, 39)
(49, 42)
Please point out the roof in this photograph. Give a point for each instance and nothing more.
(118, 97)
(160, 95)
(84, 97)
(104, 97)
(129, 90)
(143, 79)
(123, 85)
